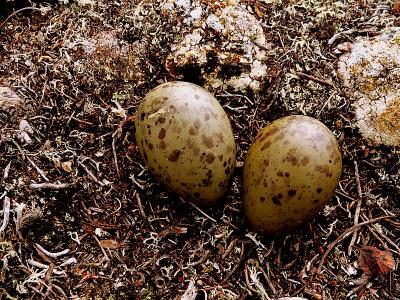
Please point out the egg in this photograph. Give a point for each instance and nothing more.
(290, 172)
(185, 138)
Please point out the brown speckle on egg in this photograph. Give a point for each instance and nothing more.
(179, 121)
(207, 141)
(162, 133)
(174, 155)
(210, 158)
(293, 166)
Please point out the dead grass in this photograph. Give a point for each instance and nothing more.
(77, 92)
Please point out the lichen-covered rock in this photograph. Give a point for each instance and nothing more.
(223, 45)
(371, 69)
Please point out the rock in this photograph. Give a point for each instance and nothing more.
(223, 45)
(371, 69)
(24, 130)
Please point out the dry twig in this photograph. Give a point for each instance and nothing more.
(7, 170)
(139, 202)
(202, 212)
(316, 79)
(101, 247)
(49, 185)
(229, 248)
(40, 171)
(52, 254)
(358, 208)
(6, 213)
(344, 234)
(18, 11)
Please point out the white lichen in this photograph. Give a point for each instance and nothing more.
(372, 72)
(223, 43)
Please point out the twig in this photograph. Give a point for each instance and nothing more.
(40, 171)
(52, 254)
(139, 202)
(19, 148)
(236, 266)
(396, 224)
(90, 173)
(229, 249)
(337, 35)
(6, 213)
(19, 208)
(227, 95)
(49, 272)
(324, 105)
(254, 239)
(361, 283)
(268, 279)
(7, 170)
(350, 31)
(202, 212)
(316, 79)
(260, 45)
(115, 154)
(229, 223)
(19, 10)
(201, 260)
(379, 232)
(246, 276)
(60, 290)
(49, 185)
(345, 195)
(344, 234)
(101, 247)
(37, 264)
(358, 208)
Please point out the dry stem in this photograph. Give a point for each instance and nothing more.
(358, 208)
(49, 185)
(344, 234)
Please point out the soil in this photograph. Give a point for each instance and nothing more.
(82, 68)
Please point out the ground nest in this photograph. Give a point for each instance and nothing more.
(82, 217)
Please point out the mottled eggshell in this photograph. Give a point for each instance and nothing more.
(186, 139)
(290, 173)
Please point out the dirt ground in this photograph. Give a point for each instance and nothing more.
(114, 232)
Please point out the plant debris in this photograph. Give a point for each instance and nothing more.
(374, 261)
(82, 216)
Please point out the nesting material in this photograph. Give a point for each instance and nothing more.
(223, 45)
(109, 56)
(371, 69)
(9, 99)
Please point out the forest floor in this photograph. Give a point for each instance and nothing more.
(87, 219)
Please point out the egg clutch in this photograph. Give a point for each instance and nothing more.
(290, 172)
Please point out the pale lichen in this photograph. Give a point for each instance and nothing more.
(223, 44)
(372, 72)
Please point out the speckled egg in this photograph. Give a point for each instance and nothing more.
(186, 139)
(290, 173)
